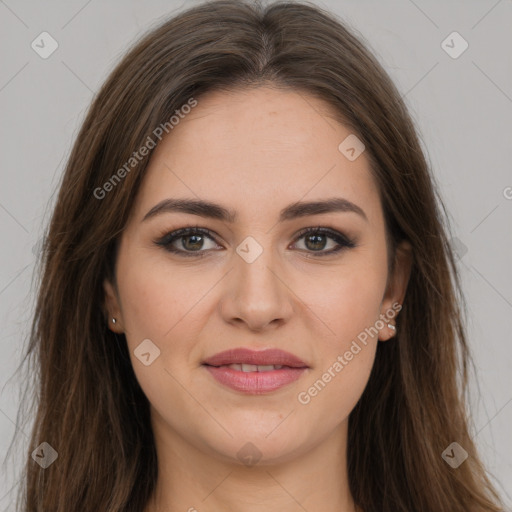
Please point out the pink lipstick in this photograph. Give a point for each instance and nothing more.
(255, 372)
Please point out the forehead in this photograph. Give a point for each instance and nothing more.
(255, 150)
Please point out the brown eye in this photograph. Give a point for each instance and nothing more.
(316, 240)
(187, 241)
(192, 242)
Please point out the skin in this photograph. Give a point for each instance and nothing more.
(255, 151)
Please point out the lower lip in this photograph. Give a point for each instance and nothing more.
(255, 383)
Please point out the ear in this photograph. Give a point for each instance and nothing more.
(396, 288)
(112, 307)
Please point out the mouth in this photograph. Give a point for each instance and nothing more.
(246, 367)
(255, 372)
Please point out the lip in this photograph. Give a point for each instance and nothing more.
(255, 383)
(259, 357)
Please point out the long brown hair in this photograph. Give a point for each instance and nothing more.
(90, 407)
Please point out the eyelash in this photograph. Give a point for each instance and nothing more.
(343, 241)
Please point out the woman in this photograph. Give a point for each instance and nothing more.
(248, 301)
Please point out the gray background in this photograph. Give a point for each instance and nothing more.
(462, 107)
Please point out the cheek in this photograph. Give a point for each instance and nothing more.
(350, 307)
(334, 390)
(348, 304)
(157, 302)
(346, 354)
(161, 308)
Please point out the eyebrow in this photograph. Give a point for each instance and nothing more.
(216, 211)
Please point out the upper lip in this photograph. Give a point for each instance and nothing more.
(271, 356)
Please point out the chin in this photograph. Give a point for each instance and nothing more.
(261, 445)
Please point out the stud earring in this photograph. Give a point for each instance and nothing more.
(391, 326)
(113, 320)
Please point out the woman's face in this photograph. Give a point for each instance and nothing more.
(253, 281)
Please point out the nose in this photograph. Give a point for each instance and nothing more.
(257, 293)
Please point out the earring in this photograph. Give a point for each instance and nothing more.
(391, 326)
(113, 320)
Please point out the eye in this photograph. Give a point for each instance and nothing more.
(190, 241)
(316, 240)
